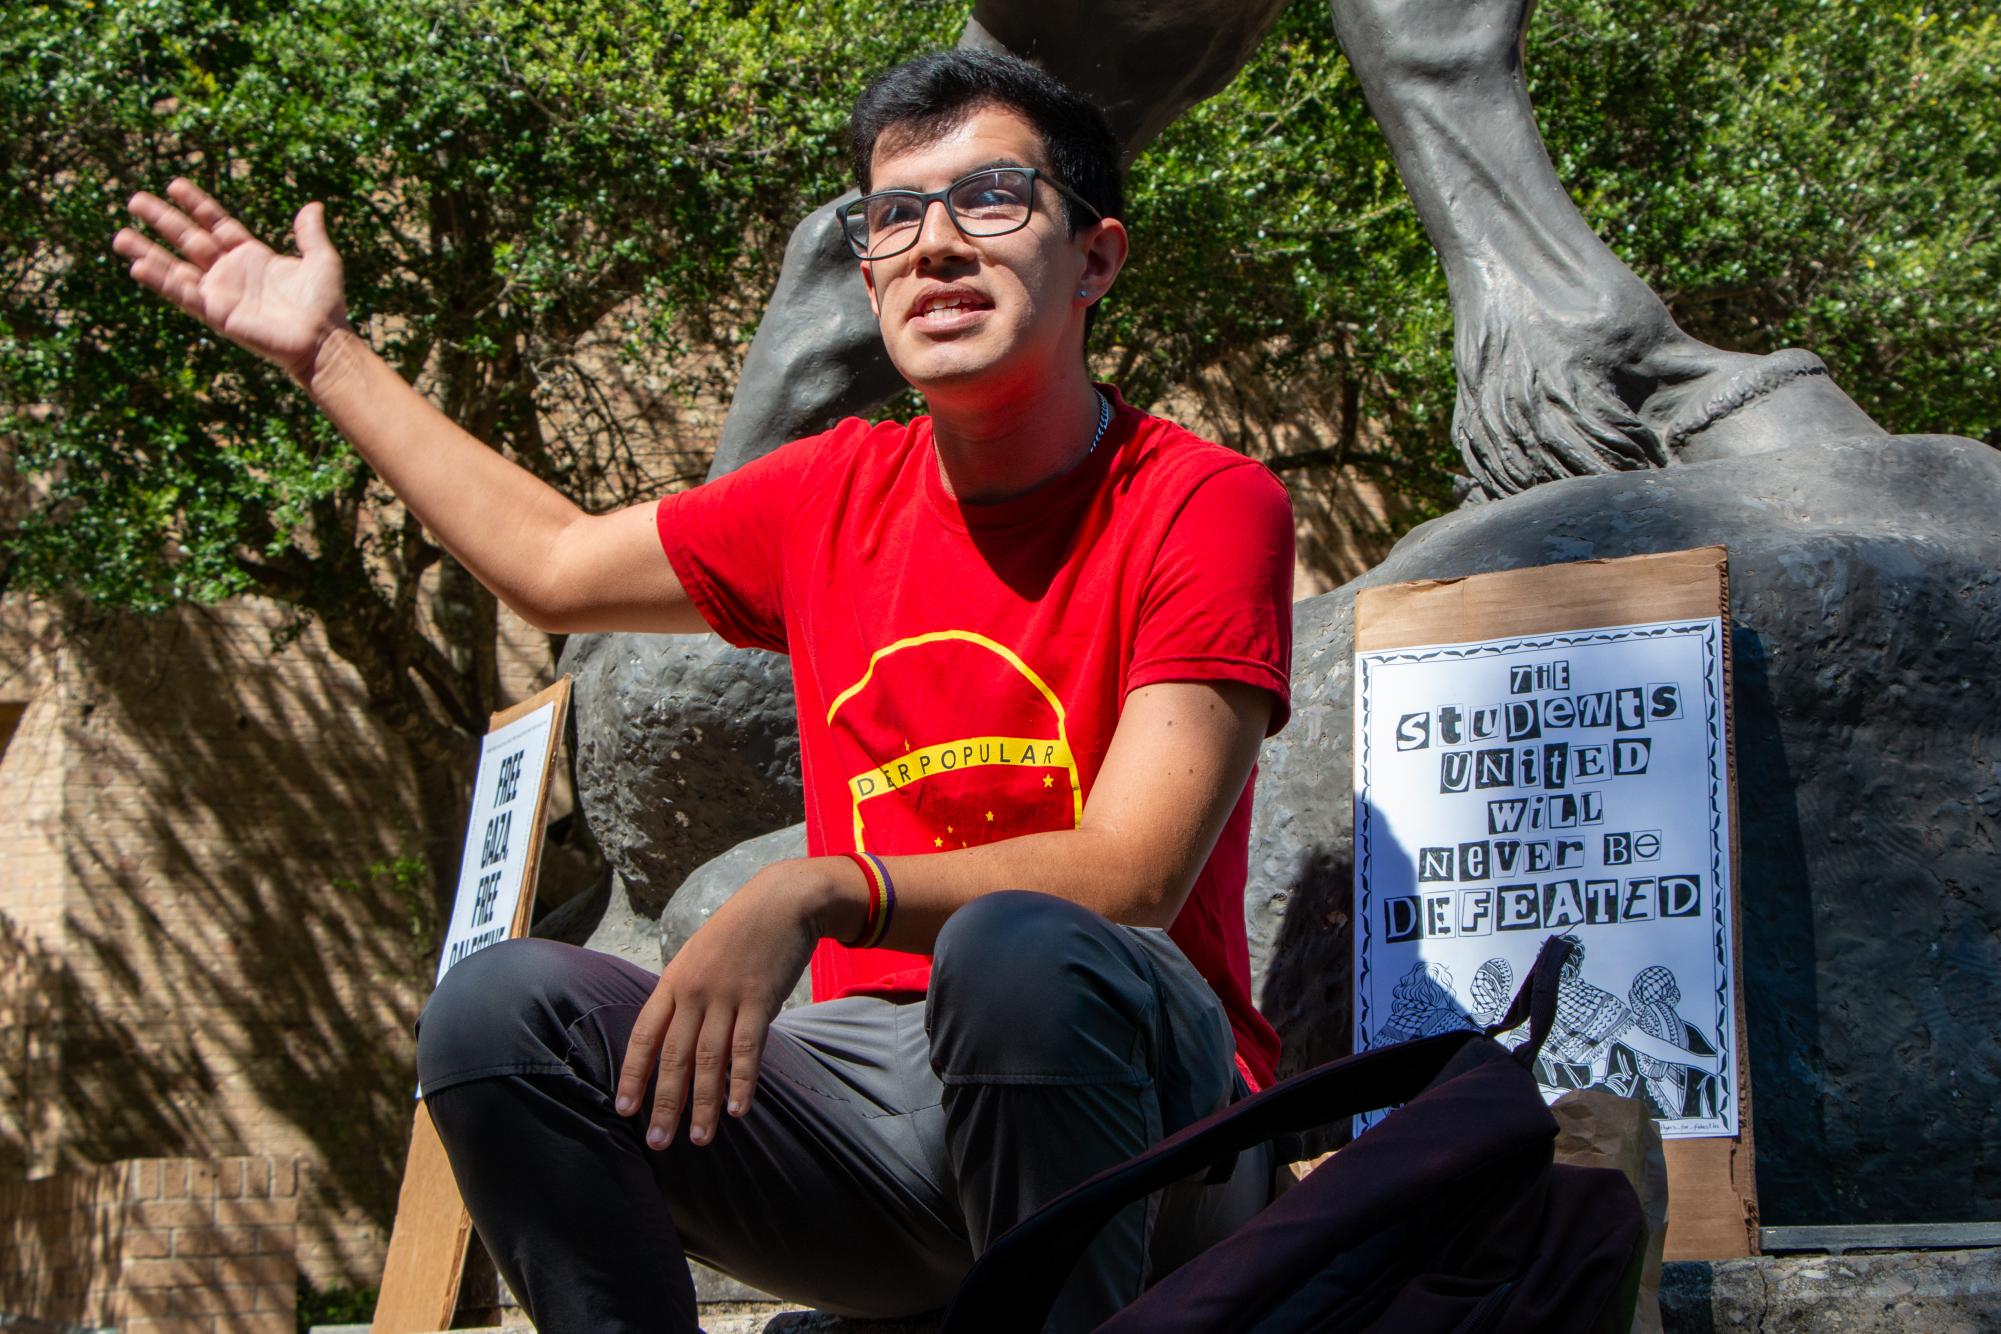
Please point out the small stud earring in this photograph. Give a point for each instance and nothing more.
(1084, 292)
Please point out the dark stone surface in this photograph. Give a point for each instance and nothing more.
(817, 356)
(604, 918)
(1866, 595)
(1143, 61)
(685, 747)
(1898, 1292)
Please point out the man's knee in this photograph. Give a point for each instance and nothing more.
(1029, 988)
(496, 1010)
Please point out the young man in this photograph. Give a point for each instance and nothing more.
(1037, 639)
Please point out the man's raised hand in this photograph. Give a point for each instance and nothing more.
(280, 307)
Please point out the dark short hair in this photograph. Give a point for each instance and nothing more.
(933, 95)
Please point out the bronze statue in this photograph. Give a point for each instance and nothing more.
(1862, 570)
(1864, 603)
(1568, 364)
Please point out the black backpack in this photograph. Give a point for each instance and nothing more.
(1449, 1215)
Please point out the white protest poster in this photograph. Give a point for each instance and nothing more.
(1570, 782)
(503, 832)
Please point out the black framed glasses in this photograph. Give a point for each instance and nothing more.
(991, 202)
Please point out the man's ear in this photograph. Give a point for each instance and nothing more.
(1105, 249)
(868, 281)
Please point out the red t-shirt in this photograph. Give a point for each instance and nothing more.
(960, 669)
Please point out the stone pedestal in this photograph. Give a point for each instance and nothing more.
(1865, 582)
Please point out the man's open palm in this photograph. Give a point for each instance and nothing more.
(280, 307)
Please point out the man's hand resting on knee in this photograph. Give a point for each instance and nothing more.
(705, 1023)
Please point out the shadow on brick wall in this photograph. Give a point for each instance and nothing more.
(243, 953)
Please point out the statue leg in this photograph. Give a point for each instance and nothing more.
(818, 356)
(1567, 362)
(1144, 61)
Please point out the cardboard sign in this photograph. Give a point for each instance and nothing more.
(427, 1246)
(1547, 751)
(495, 901)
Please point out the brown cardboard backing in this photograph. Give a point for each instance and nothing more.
(1712, 1189)
(420, 1278)
(427, 1246)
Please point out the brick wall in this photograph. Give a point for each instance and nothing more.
(156, 1246)
(238, 982)
(194, 956)
(194, 959)
(32, 878)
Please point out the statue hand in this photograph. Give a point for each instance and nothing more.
(282, 308)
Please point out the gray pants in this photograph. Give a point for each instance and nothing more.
(887, 1145)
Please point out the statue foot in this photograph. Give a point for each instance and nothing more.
(1539, 400)
(1570, 368)
(1773, 401)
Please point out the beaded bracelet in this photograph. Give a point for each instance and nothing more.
(881, 900)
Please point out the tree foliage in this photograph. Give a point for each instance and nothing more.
(561, 217)
(1276, 250)
(1801, 173)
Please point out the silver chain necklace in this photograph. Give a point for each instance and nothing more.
(1104, 419)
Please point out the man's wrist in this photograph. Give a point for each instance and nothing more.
(332, 359)
(835, 892)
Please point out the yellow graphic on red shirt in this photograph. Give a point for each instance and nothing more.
(951, 740)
